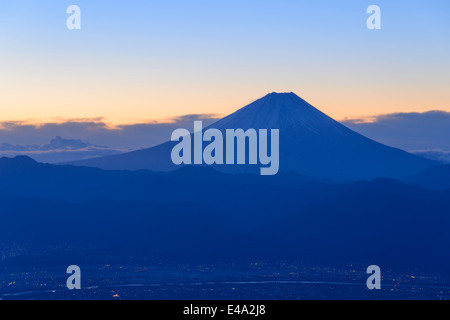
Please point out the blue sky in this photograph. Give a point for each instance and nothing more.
(135, 61)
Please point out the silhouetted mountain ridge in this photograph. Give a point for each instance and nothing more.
(24, 176)
(311, 143)
(329, 224)
(436, 177)
(199, 213)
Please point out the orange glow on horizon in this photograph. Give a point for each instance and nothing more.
(145, 109)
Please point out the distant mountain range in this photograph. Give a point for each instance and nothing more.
(58, 150)
(310, 210)
(311, 143)
(24, 176)
(436, 177)
(199, 213)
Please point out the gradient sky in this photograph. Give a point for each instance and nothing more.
(135, 61)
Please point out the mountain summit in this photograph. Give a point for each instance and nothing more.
(284, 111)
(311, 143)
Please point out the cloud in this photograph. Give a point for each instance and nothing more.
(428, 131)
(58, 150)
(435, 154)
(426, 134)
(56, 144)
(87, 138)
(98, 132)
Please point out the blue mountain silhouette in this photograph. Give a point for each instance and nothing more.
(201, 213)
(436, 177)
(311, 143)
(197, 213)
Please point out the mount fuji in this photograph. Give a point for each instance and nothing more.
(311, 143)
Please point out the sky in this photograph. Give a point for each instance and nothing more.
(140, 61)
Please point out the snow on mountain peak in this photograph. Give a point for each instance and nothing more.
(280, 111)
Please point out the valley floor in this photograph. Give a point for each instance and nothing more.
(256, 281)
